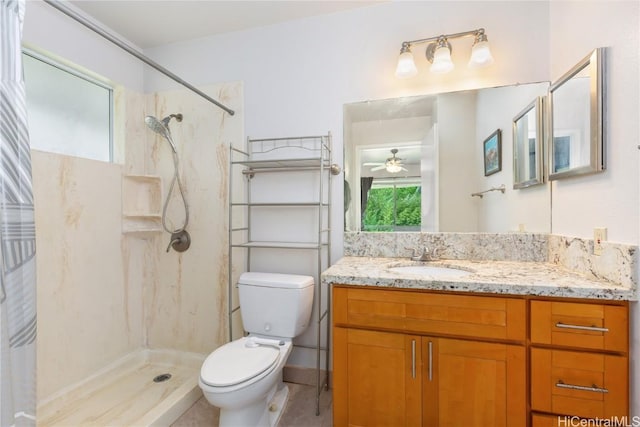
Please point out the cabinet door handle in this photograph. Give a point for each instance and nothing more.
(593, 388)
(581, 328)
(413, 358)
(430, 361)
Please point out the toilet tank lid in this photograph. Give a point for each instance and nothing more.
(275, 280)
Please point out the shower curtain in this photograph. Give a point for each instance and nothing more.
(17, 232)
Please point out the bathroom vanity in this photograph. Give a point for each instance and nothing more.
(504, 343)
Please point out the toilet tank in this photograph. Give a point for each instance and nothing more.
(275, 304)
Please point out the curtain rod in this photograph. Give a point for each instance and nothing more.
(58, 5)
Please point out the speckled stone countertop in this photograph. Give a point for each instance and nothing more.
(495, 277)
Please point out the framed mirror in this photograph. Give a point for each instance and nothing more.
(528, 132)
(576, 105)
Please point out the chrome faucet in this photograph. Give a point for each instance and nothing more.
(427, 255)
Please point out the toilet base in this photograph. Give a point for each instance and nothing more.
(258, 414)
(277, 405)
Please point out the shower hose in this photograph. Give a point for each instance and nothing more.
(176, 179)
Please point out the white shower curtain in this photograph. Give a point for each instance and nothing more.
(17, 232)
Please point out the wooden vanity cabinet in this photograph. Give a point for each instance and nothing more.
(407, 358)
(439, 359)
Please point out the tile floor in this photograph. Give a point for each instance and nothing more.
(300, 411)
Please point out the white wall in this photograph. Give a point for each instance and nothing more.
(47, 29)
(298, 75)
(609, 199)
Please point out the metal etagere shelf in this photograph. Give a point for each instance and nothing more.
(308, 155)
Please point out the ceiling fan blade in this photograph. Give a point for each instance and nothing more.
(373, 164)
(378, 168)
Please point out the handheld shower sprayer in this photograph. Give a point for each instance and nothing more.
(180, 239)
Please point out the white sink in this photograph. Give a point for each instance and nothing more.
(431, 270)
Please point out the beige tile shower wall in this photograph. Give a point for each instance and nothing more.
(88, 316)
(185, 304)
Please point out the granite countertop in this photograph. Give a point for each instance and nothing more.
(495, 277)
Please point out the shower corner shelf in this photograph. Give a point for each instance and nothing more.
(278, 157)
(141, 205)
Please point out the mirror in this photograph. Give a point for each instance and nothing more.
(437, 143)
(576, 111)
(527, 145)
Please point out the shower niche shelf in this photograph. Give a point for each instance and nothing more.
(141, 204)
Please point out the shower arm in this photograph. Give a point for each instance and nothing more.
(79, 18)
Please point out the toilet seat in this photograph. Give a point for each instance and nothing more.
(236, 363)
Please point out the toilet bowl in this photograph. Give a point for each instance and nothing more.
(244, 377)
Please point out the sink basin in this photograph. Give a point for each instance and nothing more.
(431, 270)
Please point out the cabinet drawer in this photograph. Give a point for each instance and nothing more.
(543, 420)
(431, 313)
(580, 325)
(588, 385)
(539, 420)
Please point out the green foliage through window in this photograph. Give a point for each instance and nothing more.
(393, 208)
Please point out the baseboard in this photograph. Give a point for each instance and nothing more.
(302, 375)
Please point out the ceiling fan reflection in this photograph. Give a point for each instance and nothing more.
(393, 164)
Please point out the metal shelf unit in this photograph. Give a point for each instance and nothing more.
(308, 155)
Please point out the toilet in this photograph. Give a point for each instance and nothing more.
(244, 377)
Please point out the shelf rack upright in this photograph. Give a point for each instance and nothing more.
(306, 154)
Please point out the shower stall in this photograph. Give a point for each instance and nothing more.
(116, 310)
(123, 325)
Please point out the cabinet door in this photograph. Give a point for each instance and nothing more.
(376, 378)
(473, 384)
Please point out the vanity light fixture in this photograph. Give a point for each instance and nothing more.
(439, 50)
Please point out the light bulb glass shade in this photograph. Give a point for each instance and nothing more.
(441, 60)
(480, 55)
(406, 67)
(393, 168)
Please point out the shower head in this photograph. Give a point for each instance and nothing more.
(162, 128)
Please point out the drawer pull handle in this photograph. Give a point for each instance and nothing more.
(430, 361)
(413, 358)
(582, 328)
(593, 388)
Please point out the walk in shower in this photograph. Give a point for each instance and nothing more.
(124, 325)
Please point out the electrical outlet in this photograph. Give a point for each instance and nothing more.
(599, 236)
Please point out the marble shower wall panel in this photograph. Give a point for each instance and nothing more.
(86, 310)
(186, 304)
(137, 254)
(130, 111)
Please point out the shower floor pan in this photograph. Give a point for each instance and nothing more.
(125, 394)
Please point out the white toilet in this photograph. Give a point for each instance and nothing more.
(244, 377)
